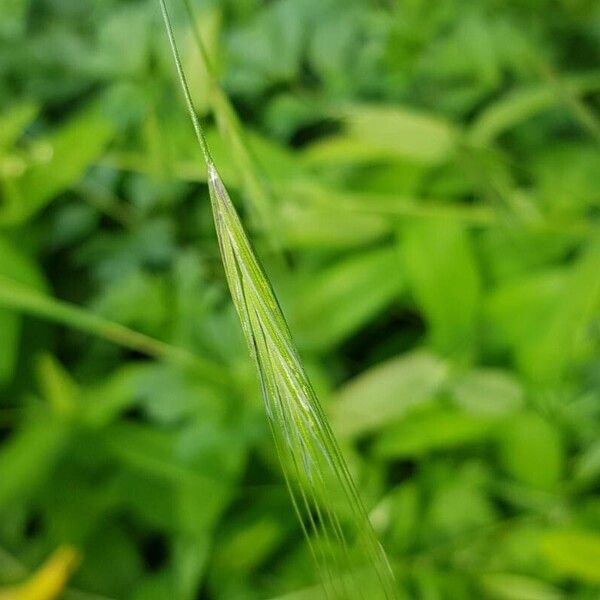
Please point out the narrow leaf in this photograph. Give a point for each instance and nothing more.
(25, 299)
(49, 582)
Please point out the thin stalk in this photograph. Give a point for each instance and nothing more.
(262, 203)
(18, 297)
(582, 113)
(108, 204)
(186, 90)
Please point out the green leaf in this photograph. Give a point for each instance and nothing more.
(341, 149)
(403, 512)
(276, 38)
(531, 450)
(72, 148)
(556, 307)
(305, 228)
(191, 556)
(400, 132)
(246, 548)
(574, 554)
(534, 298)
(487, 392)
(445, 282)
(28, 457)
(138, 300)
(431, 430)
(13, 15)
(112, 561)
(10, 325)
(459, 506)
(314, 593)
(12, 123)
(180, 475)
(385, 393)
(587, 465)
(59, 389)
(506, 586)
(522, 104)
(20, 267)
(338, 300)
(565, 339)
(566, 178)
(26, 299)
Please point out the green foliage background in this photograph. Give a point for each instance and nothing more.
(425, 194)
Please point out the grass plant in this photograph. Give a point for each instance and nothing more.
(350, 560)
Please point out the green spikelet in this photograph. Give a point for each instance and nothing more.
(350, 560)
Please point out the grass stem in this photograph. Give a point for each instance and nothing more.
(18, 297)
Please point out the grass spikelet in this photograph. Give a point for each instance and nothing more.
(350, 560)
(321, 487)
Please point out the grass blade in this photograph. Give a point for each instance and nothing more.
(21, 298)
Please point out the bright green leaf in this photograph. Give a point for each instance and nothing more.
(574, 554)
(506, 586)
(490, 392)
(339, 299)
(400, 132)
(431, 430)
(71, 149)
(385, 393)
(531, 450)
(29, 456)
(445, 282)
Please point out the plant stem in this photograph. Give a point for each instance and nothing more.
(23, 299)
(262, 204)
(186, 90)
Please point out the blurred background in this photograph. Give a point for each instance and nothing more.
(422, 182)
